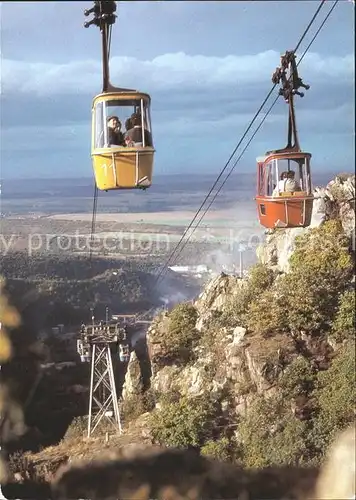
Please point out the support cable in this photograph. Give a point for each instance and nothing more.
(253, 135)
(165, 266)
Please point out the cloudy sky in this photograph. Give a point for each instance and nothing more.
(207, 66)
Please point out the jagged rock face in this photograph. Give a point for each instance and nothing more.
(242, 364)
(234, 359)
(155, 333)
(138, 373)
(214, 296)
(132, 383)
(189, 381)
(344, 191)
(337, 199)
(278, 248)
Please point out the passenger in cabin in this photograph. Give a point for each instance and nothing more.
(128, 124)
(286, 184)
(128, 142)
(282, 181)
(115, 136)
(134, 135)
(281, 187)
(291, 184)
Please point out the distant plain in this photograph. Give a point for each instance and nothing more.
(166, 209)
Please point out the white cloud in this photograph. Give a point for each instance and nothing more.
(184, 129)
(174, 72)
(196, 100)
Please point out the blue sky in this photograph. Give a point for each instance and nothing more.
(207, 66)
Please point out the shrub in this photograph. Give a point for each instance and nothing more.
(260, 279)
(345, 324)
(181, 335)
(298, 379)
(221, 450)
(335, 398)
(187, 422)
(321, 267)
(138, 404)
(77, 429)
(271, 435)
(266, 315)
(307, 298)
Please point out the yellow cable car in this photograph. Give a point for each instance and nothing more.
(122, 146)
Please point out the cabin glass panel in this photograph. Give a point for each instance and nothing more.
(283, 175)
(123, 110)
(268, 174)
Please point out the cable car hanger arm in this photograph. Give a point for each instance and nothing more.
(290, 88)
(104, 18)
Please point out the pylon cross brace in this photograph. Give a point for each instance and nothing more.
(102, 380)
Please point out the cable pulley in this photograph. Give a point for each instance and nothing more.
(103, 14)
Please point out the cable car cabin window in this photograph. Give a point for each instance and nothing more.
(266, 179)
(292, 176)
(122, 123)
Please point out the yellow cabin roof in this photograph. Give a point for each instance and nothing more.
(125, 95)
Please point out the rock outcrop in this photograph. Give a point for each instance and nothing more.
(230, 358)
(336, 200)
(240, 366)
(213, 297)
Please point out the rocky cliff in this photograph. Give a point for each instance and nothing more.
(264, 349)
(335, 201)
(258, 372)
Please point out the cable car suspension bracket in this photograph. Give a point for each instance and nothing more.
(290, 87)
(104, 18)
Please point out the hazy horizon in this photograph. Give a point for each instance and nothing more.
(159, 175)
(167, 193)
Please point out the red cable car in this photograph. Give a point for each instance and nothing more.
(284, 188)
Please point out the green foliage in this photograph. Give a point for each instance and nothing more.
(306, 298)
(138, 404)
(344, 324)
(271, 435)
(322, 249)
(266, 314)
(321, 267)
(186, 422)
(260, 279)
(335, 398)
(69, 285)
(218, 450)
(181, 335)
(313, 298)
(298, 378)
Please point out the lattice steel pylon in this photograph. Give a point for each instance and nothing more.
(103, 399)
(96, 344)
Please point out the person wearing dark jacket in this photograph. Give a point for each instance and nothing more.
(115, 136)
(134, 135)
